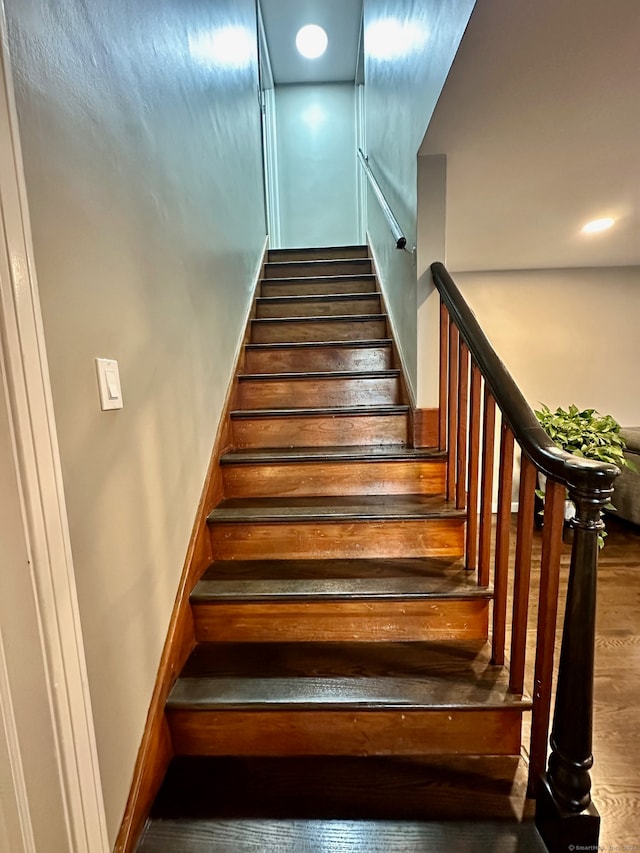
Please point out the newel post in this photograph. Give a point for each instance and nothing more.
(565, 816)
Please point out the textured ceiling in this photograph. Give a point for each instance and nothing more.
(540, 122)
(341, 20)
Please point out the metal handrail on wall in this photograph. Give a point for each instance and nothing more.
(398, 236)
(474, 384)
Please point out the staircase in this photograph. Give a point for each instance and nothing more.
(342, 671)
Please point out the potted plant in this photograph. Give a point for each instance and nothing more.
(584, 433)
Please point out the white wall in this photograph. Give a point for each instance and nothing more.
(409, 47)
(566, 336)
(143, 168)
(540, 122)
(431, 246)
(317, 164)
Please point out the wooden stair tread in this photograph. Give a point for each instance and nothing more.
(329, 588)
(319, 374)
(338, 508)
(345, 787)
(374, 836)
(307, 298)
(364, 453)
(212, 590)
(309, 580)
(331, 411)
(319, 250)
(310, 263)
(304, 279)
(342, 676)
(322, 318)
(360, 344)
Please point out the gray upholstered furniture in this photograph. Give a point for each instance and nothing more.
(626, 497)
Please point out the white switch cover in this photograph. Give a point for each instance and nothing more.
(109, 384)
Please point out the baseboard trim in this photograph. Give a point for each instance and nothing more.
(156, 750)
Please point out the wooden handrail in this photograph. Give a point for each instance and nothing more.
(572, 471)
(565, 815)
(398, 236)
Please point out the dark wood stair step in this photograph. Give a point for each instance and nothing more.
(269, 580)
(343, 699)
(359, 526)
(364, 600)
(357, 453)
(333, 471)
(336, 328)
(311, 253)
(372, 836)
(319, 509)
(328, 388)
(319, 356)
(318, 285)
(300, 427)
(336, 266)
(318, 306)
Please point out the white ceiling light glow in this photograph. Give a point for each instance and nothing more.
(311, 41)
(226, 47)
(389, 38)
(598, 225)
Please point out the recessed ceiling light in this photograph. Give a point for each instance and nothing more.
(598, 225)
(311, 41)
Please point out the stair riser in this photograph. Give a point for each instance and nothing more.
(346, 732)
(323, 330)
(310, 254)
(334, 478)
(335, 621)
(303, 269)
(322, 431)
(319, 308)
(315, 359)
(316, 286)
(313, 540)
(288, 393)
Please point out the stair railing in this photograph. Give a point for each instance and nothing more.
(473, 385)
(398, 236)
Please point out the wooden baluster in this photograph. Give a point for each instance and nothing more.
(486, 490)
(524, 542)
(505, 484)
(463, 409)
(565, 815)
(471, 549)
(443, 376)
(454, 342)
(547, 616)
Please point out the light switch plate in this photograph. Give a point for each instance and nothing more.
(109, 384)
